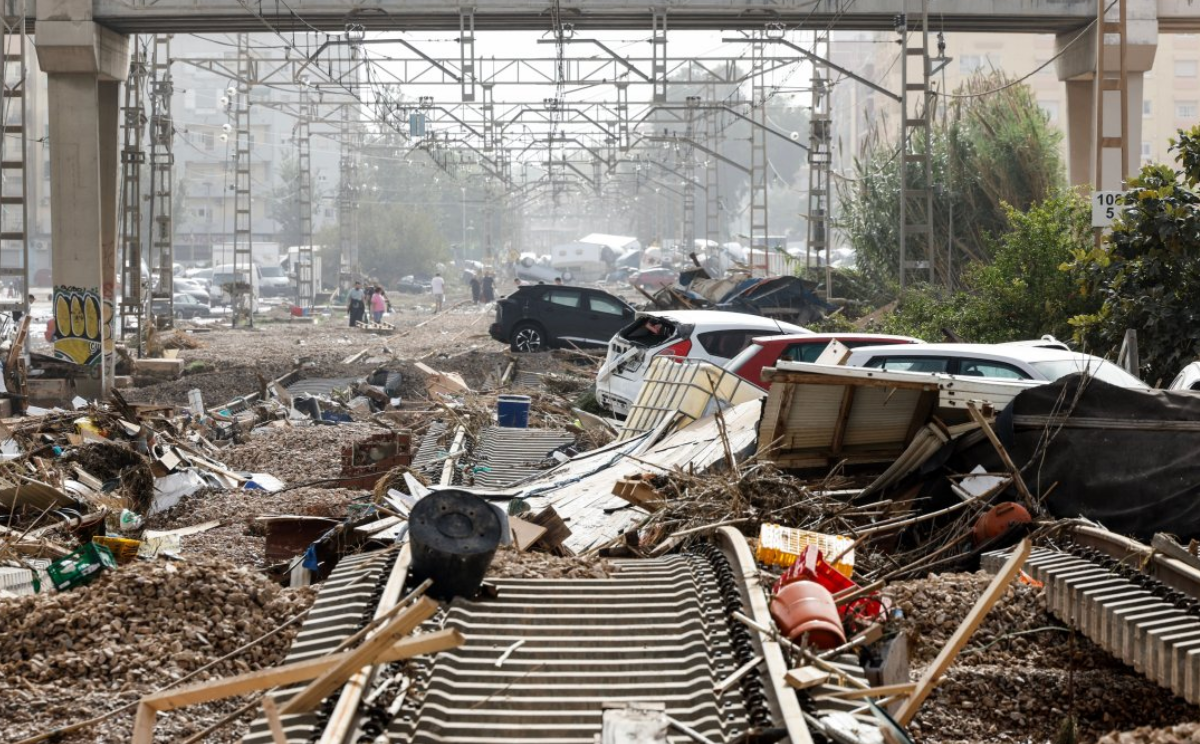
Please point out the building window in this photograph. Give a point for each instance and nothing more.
(1147, 108)
(208, 140)
(1145, 153)
(1185, 110)
(1185, 68)
(1050, 108)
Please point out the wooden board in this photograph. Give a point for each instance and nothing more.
(525, 534)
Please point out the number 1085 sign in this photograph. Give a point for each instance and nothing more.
(1105, 207)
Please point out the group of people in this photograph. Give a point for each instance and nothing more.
(483, 290)
(360, 299)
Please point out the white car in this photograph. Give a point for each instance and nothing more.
(1188, 378)
(710, 335)
(991, 361)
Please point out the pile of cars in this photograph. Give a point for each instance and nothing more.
(545, 316)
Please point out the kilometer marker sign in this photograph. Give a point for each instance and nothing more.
(1105, 207)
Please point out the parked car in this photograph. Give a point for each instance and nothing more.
(654, 279)
(274, 281)
(185, 306)
(991, 361)
(1187, 379)
(412, 285)
(194, 287)
(710, 335)
(768, 350)
(537, 317)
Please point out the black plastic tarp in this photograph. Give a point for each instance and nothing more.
(1128, 459)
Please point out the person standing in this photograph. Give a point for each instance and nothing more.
(489, 288)
(438, 287)
(476, 289)
(355, 305)
(378, 305)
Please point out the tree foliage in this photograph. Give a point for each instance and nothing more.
(283, 202)
(1023, 292)
(987, 151)
(1147, 273)
(396, 240)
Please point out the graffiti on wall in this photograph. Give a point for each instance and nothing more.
(80, 317)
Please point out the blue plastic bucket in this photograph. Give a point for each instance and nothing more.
(513, 411)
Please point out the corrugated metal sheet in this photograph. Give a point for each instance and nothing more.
(321, 387)
(690, 388)
(581, 490)
(818, 415)
(504, 455)
(430, 450)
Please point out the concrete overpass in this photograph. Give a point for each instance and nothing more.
(83, 48)
(193, 16)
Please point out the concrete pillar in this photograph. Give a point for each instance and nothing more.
(84, 63)
(1077, 67)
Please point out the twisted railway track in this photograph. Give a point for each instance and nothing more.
(1139, 604)
(544, 658)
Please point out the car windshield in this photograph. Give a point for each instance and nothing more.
(1098, 368)
(271, 271)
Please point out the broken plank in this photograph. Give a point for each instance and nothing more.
(525, 534)
(803, 678)
(367, 653)
(288, 674)
(904, 688)
(301, 671)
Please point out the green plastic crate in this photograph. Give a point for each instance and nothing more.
(80, 567)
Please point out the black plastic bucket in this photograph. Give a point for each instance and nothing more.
(454, 536)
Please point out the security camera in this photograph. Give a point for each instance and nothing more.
(231, 91)
(226, 128)
(795, 136)
(224, 137)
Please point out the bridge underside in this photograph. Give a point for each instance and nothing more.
(216, 18)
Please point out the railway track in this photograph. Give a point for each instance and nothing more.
(544, 658)
(1140, 605)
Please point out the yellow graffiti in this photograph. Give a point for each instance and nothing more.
(75, 350)
(82, 322)
(91, 316)
(76, 316)
(62, 314)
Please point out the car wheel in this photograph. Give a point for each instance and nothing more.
(527, 337)
(567, 276)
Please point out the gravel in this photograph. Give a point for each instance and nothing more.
(296, 455)
(512, 564)
(241, 539)
(132, 631)
(1020, 677)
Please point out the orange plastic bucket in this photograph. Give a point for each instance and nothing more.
(807, 607)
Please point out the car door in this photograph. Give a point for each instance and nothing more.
(565, 314)
(606, 316)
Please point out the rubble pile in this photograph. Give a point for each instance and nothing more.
(511, 564)
(1023, 672)
(869, 504)
(148, 624)
(1019, 625)
(298, 454)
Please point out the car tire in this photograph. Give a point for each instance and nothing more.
(527, 338)
(567, 276)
